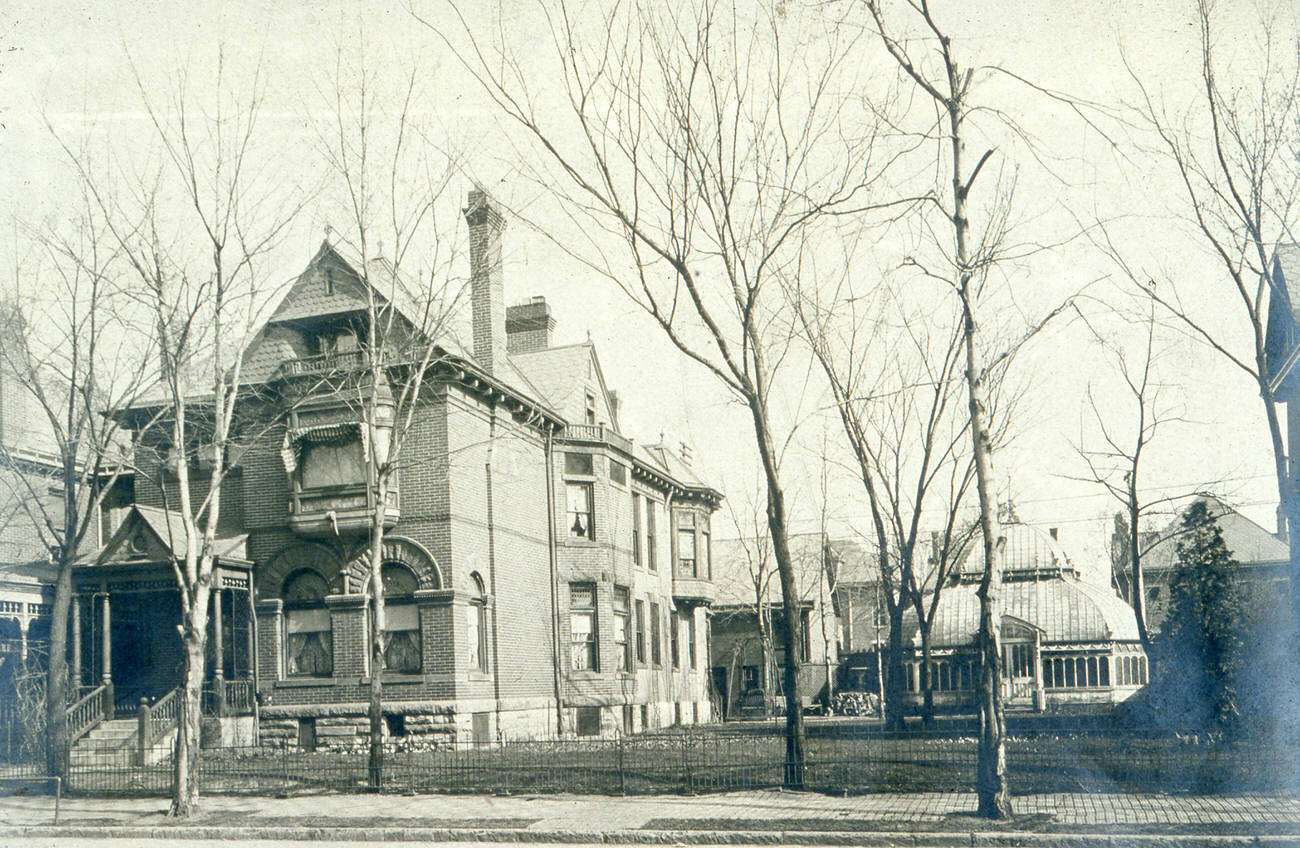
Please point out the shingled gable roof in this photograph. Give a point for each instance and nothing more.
(736, 561)
(166, 531)
(1282, 334)
(560, 373)
(1248, 543)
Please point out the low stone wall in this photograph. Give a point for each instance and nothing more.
(424, 725)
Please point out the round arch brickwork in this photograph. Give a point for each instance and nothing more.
(296, 556)
(399, 549)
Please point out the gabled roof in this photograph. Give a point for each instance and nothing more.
(1282, 334)
(151, 533)
(1249, 544)
(560, 373)
(737, 561)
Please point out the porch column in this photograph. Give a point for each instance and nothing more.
(218, 654)
(23, 621)
(106, 655)
(75, 612)
(1040, 697)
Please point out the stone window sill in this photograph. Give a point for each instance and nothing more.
(305, 682)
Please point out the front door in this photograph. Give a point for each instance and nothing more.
(1018, 673)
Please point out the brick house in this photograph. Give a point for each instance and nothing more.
(748, 669)
(543, 573)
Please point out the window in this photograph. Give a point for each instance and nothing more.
(476, 627)
(749, 677)
(309, 642)
(618, 472)
(640, 632)
(591, 408)
(690, 637)
(580, 520)
(578, 463)
(674, 623)
(656, 637)
(582, 627)
(401, 620)
(329, 280)
(621, 643)
(706, 543)
(686, 544)
(333, 463)
(805, 635)
(636, 528)
(307, 733)
(588, 721)
(395, 724)
(650, 534)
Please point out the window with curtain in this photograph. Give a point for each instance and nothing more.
(476, 627)
(308, 642)
(401, 620)
(582, 627)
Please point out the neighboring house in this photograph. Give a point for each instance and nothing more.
(1262, 566)
(749, 623)
(1065, 642)
(543, 573)
(1281, 355)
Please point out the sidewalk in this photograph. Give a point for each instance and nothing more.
(739, 817)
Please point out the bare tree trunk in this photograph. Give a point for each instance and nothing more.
(57, 744)
(185, 759)
(895, 688)
(1138, 588)
(991, 765)
(375, 709)
(927, 684)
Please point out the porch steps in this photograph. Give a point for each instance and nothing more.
(112, 743)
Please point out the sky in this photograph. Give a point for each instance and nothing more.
(70, 70)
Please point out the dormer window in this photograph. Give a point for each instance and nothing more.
(343, 341)
(329, 280)
(591, 408)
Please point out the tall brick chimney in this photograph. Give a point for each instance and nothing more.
(487, 284)
(528, 326)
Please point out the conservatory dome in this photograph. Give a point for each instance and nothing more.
(1041, 588)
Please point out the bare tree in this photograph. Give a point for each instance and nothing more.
(62, 340)
(193, 223)
(893, 366)
(969, 255)
(711, 148)
(395, 178)
(1233, 151)
(1114, 459)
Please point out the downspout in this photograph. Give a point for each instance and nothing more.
(555, 576)
(492, 569)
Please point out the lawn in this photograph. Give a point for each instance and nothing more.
(706, 759)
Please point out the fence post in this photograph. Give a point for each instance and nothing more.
(686, 762)
(622, 779)
(142, 731)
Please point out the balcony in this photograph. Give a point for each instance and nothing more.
(340, 510)
(691, 588)
(596, 434)
(352, 360)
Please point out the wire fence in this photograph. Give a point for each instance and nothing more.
(701, 760)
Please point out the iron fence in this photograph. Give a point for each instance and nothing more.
(705, 761)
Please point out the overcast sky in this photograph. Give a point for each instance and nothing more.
(67, 62)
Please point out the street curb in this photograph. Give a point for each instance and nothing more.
(986, 839)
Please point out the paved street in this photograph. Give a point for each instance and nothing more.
(735, 818)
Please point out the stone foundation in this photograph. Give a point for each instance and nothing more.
(425, 725)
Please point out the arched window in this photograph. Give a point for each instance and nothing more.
(308, 643)
(401, 619)
(476, 627)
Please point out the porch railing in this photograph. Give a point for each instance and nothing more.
(234, 698)
(86, 714)
(156, 720)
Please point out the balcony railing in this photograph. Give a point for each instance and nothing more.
(597, 433)
(352, 360)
